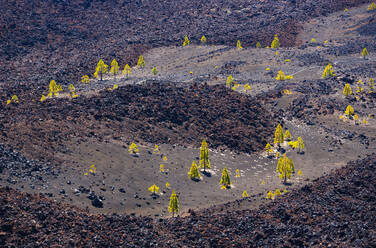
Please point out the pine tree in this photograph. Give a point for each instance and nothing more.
(347, 90)
(54, 90)
(313, 40)
(133, 148)
(101, 69)
(203, 40)
(154, 71)
(156, 149)
(167, 185)
(371, 85)
(238, 45)
(72, 90)
(372, 6)
(174, 204)
(193, 172)
(349, 111)
(114, 67)
(277, 192)
(230, 81)
(225, 179)
(85, 79)
(43, 98)
(154, 189)
(141, 62)
(300, 144)
(364, 53)
(237, 173)
(270, 195)
(258, 45)
(186, 41)
(204, 156)
(127, 70)
(284, 168)
(278, 135)
(275, 42)
(268, 149)
(287, 135)
(328, 72)
(245, 194)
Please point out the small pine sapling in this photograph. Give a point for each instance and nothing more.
(313, 40)
(328, 72)
(127, 70)
(268, 149)
(54, 90)
(203, 40)
(262, 182)
(141, 62)
(349, 112)
(258, 45)
(247, 88)
(85, 79)
(114, 68)
(287, 135)
(278, 135)
(239, 45)
(225, 179)
(371, 85)
(154, 71)
(174, 204)
(356, 119)
(156, 149)
(300, 145)
(347, 90)
(237, 173)
(300, 173)
(43, 98)
(277, 192)
(186, 41)
(101, 69)
(230, 81)
(154, 189)
(245, 194)
(167, 185)
(133, 149)
(72, 90)
(161, 168)
(270, 195)
(204, 156)
(364, 53)
(275, 42)
(193, 172)
(164, 158)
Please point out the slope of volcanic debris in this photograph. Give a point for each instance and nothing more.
(335, 210)
(154, 112)
(58, 40)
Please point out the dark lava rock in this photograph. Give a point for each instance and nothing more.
(96, 202)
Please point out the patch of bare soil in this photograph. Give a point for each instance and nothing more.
(335, 210)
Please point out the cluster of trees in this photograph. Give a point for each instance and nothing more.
(14, 99)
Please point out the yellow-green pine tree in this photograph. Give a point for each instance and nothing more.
(275, 42)
(278, 135)
(300, 144)
(258, 45)
(85, 79)
(268, 149)
(287, 135)
(54, 91)
(349, 111)
(193, 172)
(284, 168)
(204, 156)
(186, 41)
(371, 84)
(154, 189)
(328, 72)
(174, 204)
(127, 70)
(140, 62)
(245, 194)
(229, 81)
(203, 40)
(154, 71)
(114, 67)
(225, 179)
(101, 69)
(239, 45)
(364, 53)
(347, 90)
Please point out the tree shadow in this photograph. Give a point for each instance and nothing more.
(206, 173)
(154, 196)
(287, 183)
(195, 179)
